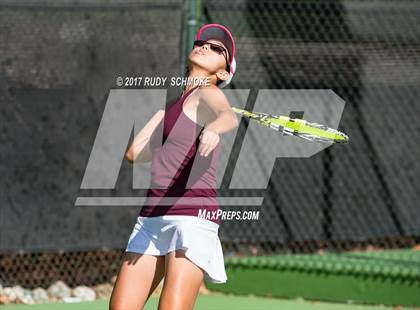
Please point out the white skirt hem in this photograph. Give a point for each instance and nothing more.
(197, 237)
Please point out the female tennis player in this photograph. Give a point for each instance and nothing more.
(170, 239)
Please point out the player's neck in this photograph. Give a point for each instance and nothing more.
(196, 77)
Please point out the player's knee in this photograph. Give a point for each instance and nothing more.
(174, 303)
(123, 305)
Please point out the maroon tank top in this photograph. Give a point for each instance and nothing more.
(178, 170)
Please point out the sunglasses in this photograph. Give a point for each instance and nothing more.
(216, 48)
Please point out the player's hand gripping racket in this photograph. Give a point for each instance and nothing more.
(296, 127)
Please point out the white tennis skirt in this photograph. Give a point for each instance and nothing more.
(199, 238)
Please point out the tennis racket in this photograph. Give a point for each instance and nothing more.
(296, 127)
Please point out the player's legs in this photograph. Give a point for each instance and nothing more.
(137, 279)
(182, 282)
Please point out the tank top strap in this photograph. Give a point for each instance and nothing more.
(173, 113)
(180, 102)
(185, 95)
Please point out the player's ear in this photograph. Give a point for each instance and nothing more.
(222, 75)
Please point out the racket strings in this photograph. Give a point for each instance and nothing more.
(296, 127)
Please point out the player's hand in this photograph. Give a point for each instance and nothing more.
(208, 141)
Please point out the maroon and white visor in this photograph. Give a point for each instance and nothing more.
(221, 33)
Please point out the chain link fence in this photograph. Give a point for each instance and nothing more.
(343, 197)
(59, 60)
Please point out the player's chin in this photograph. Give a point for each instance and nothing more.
(201, 62)
(198, 59)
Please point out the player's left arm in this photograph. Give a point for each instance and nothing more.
(224, 119)
(214, 100)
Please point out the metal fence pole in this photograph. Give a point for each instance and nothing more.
(192, 19)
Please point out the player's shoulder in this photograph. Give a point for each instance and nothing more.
(211, 92)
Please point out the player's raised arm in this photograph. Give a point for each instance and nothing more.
(214, 101)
